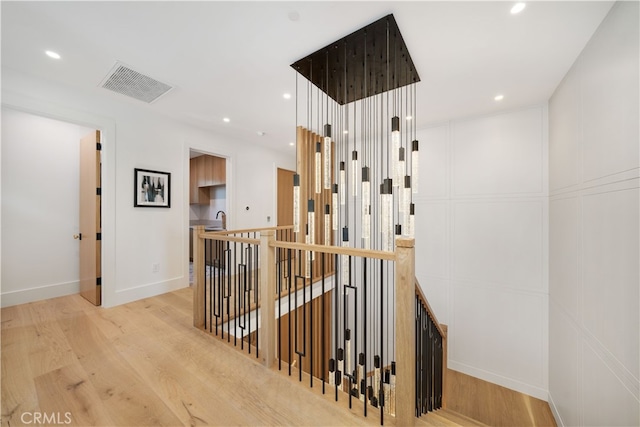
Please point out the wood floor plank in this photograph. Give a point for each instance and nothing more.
(128, 399)
(67, 393)
(57, 308)
(13, 316)
(182, 390)
(17, 385)
(177, 303)
(50, 349)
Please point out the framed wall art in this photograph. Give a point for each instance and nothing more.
(152, 189)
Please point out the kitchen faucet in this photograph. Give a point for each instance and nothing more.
(224, 219)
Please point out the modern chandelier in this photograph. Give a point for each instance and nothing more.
(356, 175)
(358, 163)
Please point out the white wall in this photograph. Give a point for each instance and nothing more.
(135, 137)
(39, 206)
(594, 252)
(481, 243)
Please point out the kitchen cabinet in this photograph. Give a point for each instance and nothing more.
(204, 173)
(210, 170)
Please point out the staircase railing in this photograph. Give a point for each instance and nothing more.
(350, 318)
(431, 357)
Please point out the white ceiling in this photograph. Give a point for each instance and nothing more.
(233, 58)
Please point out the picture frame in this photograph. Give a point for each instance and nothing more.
(151, 189)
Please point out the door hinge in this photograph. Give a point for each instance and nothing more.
(98, 236)
(98, 191)
(98, 281)
(98, 146)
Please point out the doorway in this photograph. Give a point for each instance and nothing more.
(208, 197)
(40, 203)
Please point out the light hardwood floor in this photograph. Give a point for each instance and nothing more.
(143, 363)
(139, 364)
(495, 405)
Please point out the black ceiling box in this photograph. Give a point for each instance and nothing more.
(369, 61)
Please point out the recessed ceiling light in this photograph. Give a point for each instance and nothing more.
(291, 144)
(52, 54)
(518, 7)
(286, 95)
(499, 97)
(294, 15)
(226, 120)
(345, 131)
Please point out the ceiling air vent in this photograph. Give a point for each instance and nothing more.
(126, 81)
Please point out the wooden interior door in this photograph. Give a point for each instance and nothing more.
(90, 220)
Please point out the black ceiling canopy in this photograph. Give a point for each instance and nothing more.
(369, 61)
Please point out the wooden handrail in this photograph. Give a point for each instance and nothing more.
(254, 230)
(212, 235)
(424, 301)
(336, 250)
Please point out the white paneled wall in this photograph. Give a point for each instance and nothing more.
(481, 243)
(594, 246)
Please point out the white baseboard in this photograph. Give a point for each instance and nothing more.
(554, 411)
(39, 293)
(150, 290)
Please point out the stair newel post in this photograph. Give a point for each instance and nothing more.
(267, 294)
(405, 332)
(198, 277)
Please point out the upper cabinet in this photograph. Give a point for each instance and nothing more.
(212, 170)
(205, 172)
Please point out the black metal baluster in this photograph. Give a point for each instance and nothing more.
(236, 303)
(279, 290)
(249, 289)
(257, 291)
(312, 255)
(228, 271)
(363, 380)
(380, 391)
(336, 298)
(429, 358)
(323, 349)
(204, 264)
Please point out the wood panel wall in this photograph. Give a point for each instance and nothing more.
(285, 197)
(305, 157)
(316, 339)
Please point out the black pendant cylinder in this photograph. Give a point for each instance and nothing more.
(395, 123)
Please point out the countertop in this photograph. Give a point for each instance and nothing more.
(209, 224)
